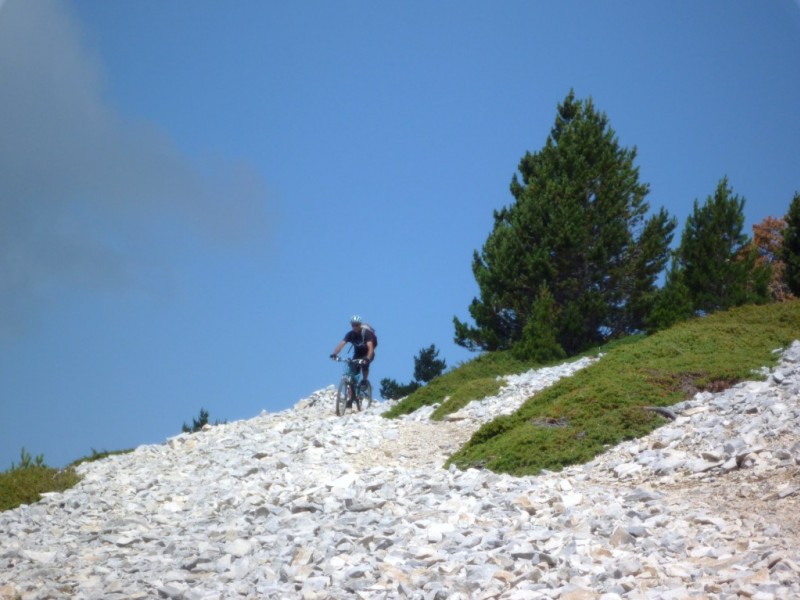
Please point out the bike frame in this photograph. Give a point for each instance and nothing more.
(351, 382)
(352, 375)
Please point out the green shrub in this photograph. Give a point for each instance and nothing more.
(99, 455)
(24, 483)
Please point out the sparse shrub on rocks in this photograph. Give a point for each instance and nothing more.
(24, 483)
(198, 423)
(99, 455)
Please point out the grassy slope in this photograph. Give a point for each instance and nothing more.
(603, 404)
(473, 380)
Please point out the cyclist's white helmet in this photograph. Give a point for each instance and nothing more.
(355, 319)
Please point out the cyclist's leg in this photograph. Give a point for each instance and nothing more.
(365, 370)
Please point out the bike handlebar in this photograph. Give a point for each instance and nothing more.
(352, 361)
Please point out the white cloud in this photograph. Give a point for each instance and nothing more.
(86, 195)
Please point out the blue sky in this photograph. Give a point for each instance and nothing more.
(195, 196)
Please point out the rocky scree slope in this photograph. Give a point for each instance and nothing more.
(303, 504)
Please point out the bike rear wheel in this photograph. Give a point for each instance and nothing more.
(365, 395)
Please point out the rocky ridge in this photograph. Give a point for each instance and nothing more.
(303, 504)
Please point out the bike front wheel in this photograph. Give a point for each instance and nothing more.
(342, 396)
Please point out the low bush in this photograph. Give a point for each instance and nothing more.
(26, 482)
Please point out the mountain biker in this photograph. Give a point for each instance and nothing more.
(363, 341)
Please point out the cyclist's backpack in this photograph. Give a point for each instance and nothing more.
(371, 329)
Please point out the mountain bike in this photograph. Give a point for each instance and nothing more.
(352, 389)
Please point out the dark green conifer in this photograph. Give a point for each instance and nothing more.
(716, 260)
(577, 228)
(539, 337)
(673, 303)
(428, 365)
(791, 246)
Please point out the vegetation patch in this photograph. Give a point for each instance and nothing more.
(470, 381)
(99, 455)
(605, 403)
(26, 482)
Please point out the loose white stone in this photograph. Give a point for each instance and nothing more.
(239, 547)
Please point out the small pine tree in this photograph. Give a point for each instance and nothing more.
(673, 303)
(427, 365)
(539, 337)
(392, 390)
(791, 246)
(27, 461)
(197, 424)
(715, 256)
(649, 260)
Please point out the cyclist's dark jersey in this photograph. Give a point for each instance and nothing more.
(359, 340)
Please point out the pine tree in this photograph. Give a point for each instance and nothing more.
(791, 246)
(673, 303)
(647, 262)
(427, 365)
(392, 390)
(717, 262)
(197, 424)
(539, 337)
(577, 227)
